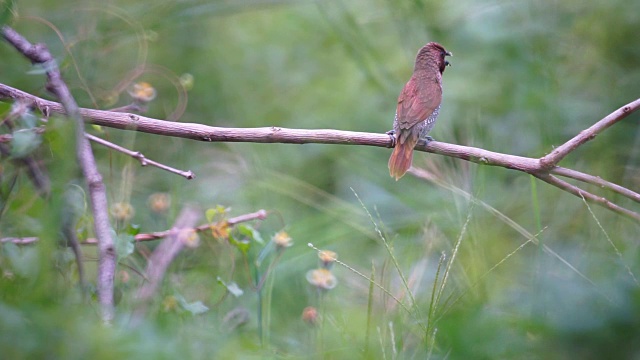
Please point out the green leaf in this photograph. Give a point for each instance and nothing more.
(231, 287)
(124, 245)
(133, 229)
(29, 120)
(24, 260)
(250, 232)
(242, 245)
(210, 214)
(265, 252)
(195, 308)
(24, 142)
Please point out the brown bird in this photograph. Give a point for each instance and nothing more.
(418, 106)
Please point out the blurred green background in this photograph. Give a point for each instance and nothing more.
(526, 76)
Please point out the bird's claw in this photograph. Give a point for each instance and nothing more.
(425, 140)
(392, 135)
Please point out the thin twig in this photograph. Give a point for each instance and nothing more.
(554, 157)
(597, 181)
(258, 215)
(599, 200)
(20, 241)
(39, 54)
(140, 157)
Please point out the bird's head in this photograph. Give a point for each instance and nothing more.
(432, 55)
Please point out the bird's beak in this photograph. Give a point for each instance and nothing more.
(448, 53)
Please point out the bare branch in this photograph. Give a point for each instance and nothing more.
(140, 157)
(258, 215)
(201, 132)
(554, 157)
(587, 195)
(39, 54)
(597, 181)
(20, 241)
(126, 121)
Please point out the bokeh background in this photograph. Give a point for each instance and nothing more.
(526, 76)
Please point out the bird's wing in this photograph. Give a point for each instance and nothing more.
(417, 101)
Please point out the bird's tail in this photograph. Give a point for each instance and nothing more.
(400, 160)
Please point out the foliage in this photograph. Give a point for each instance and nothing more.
(526, 76)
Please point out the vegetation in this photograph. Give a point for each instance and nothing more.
(465, 262)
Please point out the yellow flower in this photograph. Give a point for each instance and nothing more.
(322, 279)
(142, 92)
(220, 229)
(122, 211)
(282, 240)
(327, 257)
(159, 202)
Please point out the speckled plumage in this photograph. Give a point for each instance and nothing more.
(418, 106)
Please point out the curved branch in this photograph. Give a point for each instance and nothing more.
(554, 157)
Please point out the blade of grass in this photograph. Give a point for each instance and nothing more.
(447, 307)
(368, 279)
(453, 256)
(422, 174)
(384, 355)
(434, 292)
(392, 335)
(392, 256)
(615, 248)
(369, 312)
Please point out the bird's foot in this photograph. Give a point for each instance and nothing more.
(425, 140)
(392, 135)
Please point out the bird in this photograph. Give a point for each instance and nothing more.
(418, 106)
